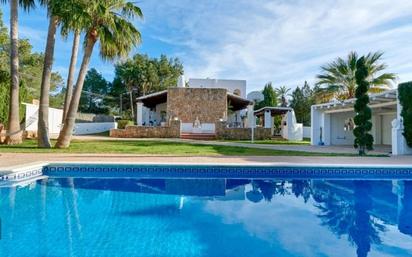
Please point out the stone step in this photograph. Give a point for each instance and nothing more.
(198, 136)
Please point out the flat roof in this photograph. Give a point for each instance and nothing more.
(275, 110)
(153, 99)
(386, 98)
(237, 102)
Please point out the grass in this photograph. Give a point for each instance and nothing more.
(156, 148)
(276, 142)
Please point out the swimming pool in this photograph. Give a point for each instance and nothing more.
(88, 210)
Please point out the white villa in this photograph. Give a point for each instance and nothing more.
(332, 123)
(207, 109)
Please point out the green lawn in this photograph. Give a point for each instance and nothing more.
(277, 142)
(155, 148)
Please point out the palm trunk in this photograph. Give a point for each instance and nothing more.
(70, 77)
(66, 133)
(131, 103)
(43, 139)
(14, 134)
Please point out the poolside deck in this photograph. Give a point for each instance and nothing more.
(13, 159)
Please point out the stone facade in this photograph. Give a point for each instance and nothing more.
(171, 131)
(223, 132)
(208, 104)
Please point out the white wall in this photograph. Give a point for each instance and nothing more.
(338, 136)
(386, 123)
(230, 84)
(306, 132)
(93, 127)
(32, 115)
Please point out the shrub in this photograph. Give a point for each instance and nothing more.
(405, 96)
(121, 124)
(363, 139)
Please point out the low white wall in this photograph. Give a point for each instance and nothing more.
(205, 128)
(93, 127)
(306, 132)
(32, 115)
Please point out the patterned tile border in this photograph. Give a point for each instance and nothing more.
(225, 171)
(203, 171)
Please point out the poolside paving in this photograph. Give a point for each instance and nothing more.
(8, 160)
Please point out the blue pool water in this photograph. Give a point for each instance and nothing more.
(206, 217)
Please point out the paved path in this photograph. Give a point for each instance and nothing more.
(302, 148)
(14, 159)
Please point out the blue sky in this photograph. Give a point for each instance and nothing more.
(283, 41)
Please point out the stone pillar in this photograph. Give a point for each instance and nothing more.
(268, 119)
(326, 128)
(316, 126)
(139, 113)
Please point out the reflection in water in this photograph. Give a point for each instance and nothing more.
(358, 210)
(405, 216)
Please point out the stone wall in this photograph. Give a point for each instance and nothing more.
(223, 132)
(208, 104)
(171, 131)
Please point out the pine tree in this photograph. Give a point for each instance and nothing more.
(363, 139)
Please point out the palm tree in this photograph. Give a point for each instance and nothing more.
(14, 133)
(64, 13)
(70, 76)
(338, 77)
(282, 92)
(109, 21)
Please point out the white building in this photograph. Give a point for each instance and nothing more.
(332, 123)
(234, 86)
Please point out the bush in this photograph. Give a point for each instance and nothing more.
(363, 139)
(121, 124)
(405, 96)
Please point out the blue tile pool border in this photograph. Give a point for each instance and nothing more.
(225, 171)
(206, 171)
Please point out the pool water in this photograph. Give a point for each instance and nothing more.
(206, 217)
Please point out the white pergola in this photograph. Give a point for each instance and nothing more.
(379, 100)
(326, 119)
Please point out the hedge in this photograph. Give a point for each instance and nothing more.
(405, 99)
(121, 124)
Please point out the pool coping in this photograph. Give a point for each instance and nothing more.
(20, 174)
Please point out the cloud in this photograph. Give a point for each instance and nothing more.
(281, 41)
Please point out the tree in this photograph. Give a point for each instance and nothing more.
(94, 89)
(70, 75)
(301, 101)
(269, 97)
(143, 75)
(64, 13)
(282, 93)
(338, 77)
(30, 66)
(14, 133)
(363, 140)
(109, 22)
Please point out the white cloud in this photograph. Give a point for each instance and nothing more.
(281, 41)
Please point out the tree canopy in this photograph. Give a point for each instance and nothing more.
(145, 75)
(31, 64)
(337, 79)
(302, 98)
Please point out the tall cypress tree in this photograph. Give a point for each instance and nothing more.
(363, 139)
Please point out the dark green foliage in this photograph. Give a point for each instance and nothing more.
(95, 89)
(144, 75)
(301, 102)
(269, 97)
(405, 99)
(121, 124)
(31, 65)
(363, 139)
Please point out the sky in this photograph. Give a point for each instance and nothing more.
(282, 41)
